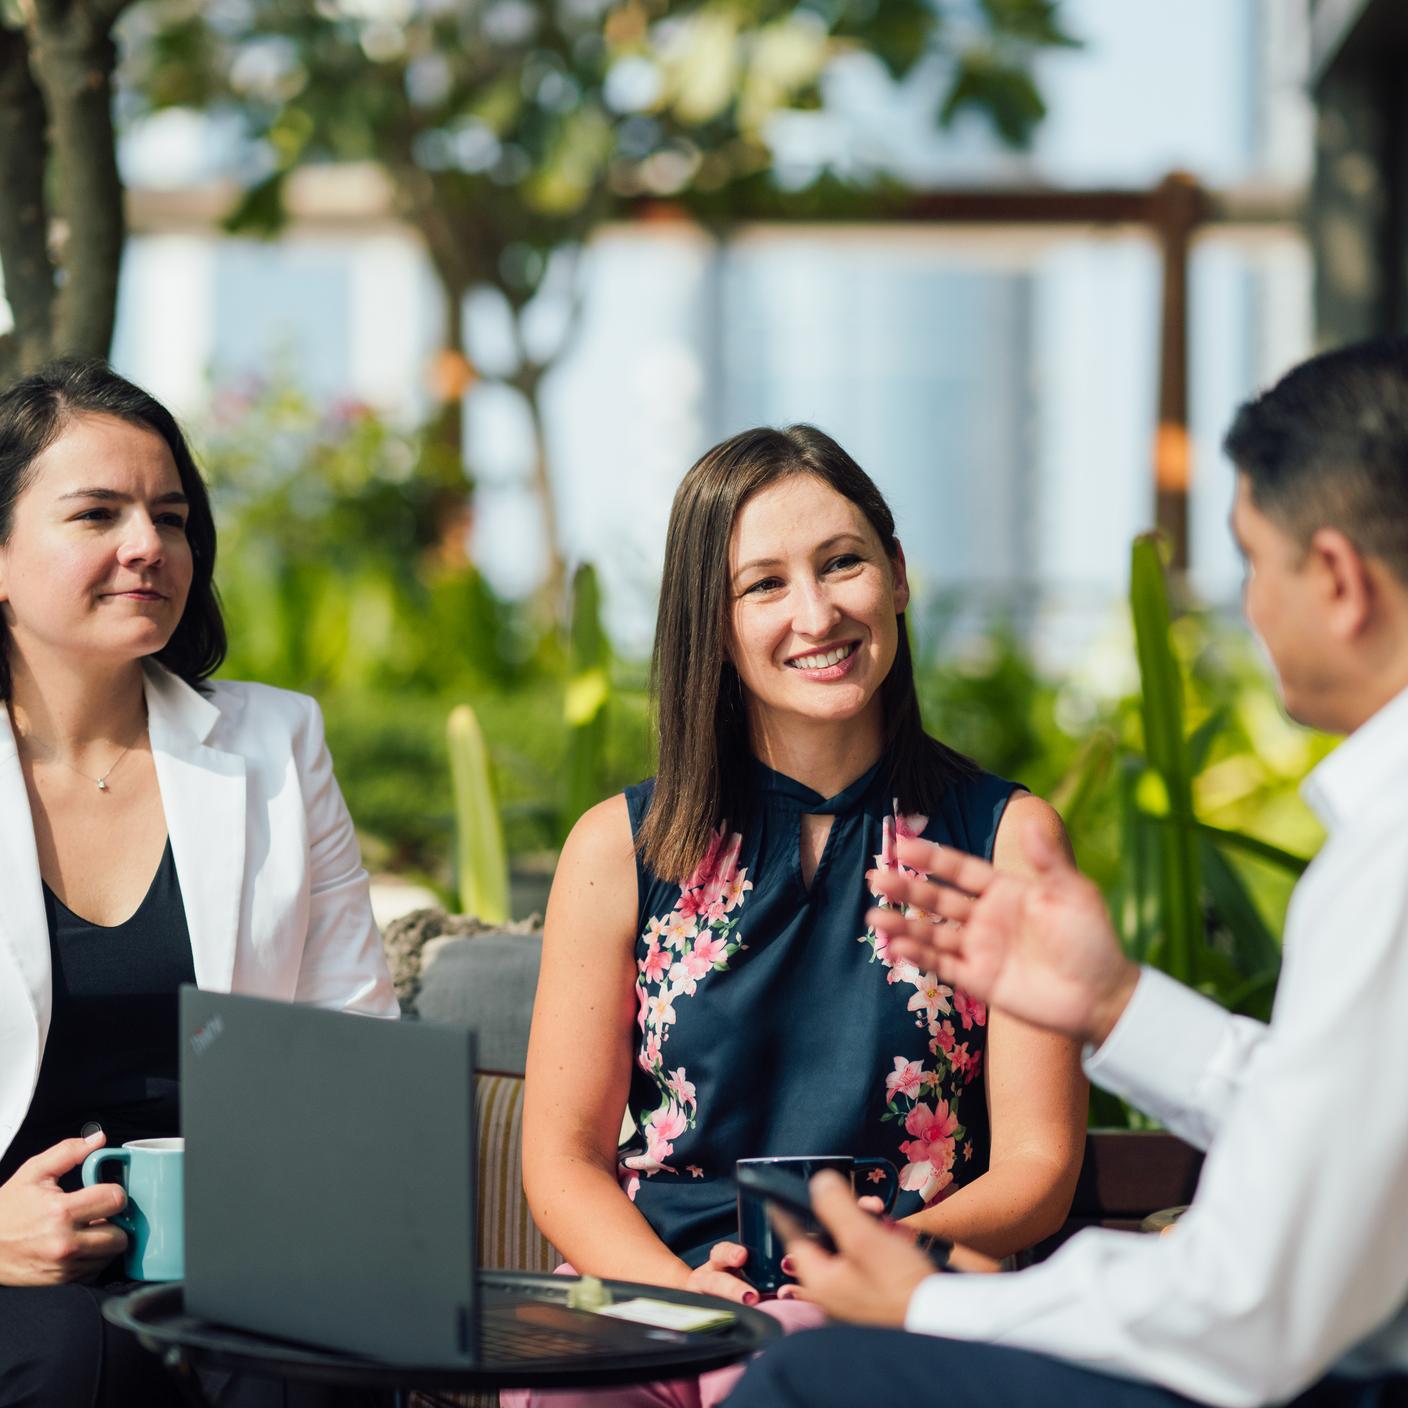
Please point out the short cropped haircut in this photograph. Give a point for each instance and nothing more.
(33, 414)
(1327, 447)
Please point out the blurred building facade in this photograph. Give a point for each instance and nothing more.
(998, 383)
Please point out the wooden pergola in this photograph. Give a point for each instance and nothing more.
(1172, 214)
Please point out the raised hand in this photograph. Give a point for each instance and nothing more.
(1042, 949)
(48, 1236)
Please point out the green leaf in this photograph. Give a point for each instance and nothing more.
(479, 837)
(1254, 846)
(1202, 738)
(1006, 93)
(1254, 947)
(1161, 704)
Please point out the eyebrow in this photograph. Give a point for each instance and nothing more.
(820, 547)
(112, 496)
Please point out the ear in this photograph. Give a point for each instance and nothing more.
(1348, 587)
(901, 572)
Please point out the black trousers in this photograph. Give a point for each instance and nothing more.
(57, 1351)
(845, 1366)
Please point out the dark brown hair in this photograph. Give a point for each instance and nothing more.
(1327, 447)
(701, 719)
(33, 414)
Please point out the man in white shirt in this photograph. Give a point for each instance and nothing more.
(1288, 1278)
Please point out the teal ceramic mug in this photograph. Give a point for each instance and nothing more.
(151, 1171)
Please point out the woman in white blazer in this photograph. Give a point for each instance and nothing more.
(154, 828)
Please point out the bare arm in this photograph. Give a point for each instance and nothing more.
(579, 1069)
(1036, 1101)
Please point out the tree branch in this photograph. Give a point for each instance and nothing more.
(74, 56)
(24, 253)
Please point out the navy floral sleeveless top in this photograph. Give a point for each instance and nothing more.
(772, 1021)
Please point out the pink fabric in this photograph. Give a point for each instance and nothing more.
(706, 1391)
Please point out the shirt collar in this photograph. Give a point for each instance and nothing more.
(1355, 773)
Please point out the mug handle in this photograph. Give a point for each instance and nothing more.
(91, 1166)
(863, 1166)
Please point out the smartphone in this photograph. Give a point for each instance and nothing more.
(790, 1195)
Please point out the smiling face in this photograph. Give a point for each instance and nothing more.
(97, 565)
(813, 629)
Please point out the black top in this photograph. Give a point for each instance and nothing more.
(772, 1020)
(111, 1054)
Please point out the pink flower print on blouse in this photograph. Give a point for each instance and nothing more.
(695, 939)
(932, 997)
(972, 1012)
(930, 1150)
(656, 962)
(905, 1079)
(680, 1088)
(910, 1086)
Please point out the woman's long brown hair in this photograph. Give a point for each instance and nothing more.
(701, 720)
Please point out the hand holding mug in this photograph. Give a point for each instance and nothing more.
(49, 1237)
(722, 1275)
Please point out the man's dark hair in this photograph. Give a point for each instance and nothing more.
(33, 414)
(1327, 447)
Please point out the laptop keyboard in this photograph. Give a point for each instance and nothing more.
(542, 1330)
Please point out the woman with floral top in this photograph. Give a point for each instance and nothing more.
(707, 965)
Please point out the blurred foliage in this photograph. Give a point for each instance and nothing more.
(509, 129)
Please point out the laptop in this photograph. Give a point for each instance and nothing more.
(330, 1192)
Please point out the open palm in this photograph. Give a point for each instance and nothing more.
(1040, 948)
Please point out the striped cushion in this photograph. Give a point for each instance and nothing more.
(509, 1240)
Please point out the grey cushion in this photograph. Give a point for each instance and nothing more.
(486, 982)
(456, 968)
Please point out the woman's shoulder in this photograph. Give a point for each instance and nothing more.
(265, 709)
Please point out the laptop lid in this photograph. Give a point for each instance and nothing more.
(329, 1177)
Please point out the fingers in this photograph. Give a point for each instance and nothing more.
(57, 1160)
(727, 1256)
(100, 1242)
(835, 1207)
(102, 1200)
(725, 1285)
(871, 1204)
(953, 867)
(941, 900)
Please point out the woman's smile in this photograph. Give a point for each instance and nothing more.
(832, 663)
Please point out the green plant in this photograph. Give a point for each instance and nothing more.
(586, 699)
(481, 860)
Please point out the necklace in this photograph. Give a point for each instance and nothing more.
(102, 780)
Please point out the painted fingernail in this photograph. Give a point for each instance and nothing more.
(789, 1267)
(750, 1297)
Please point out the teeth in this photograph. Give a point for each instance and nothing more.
(822, 662)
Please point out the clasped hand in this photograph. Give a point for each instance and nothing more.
(47, 1236)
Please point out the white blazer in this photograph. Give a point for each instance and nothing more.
(276, 898)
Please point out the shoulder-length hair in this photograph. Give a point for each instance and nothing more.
(33, 414)
(701, 720)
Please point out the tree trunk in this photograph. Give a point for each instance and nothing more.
(529, 382)
(24, 224)
(74, 56)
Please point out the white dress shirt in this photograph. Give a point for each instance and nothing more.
(1294, 1256)
(275, 895)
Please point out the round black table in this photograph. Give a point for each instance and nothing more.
(157, 1316)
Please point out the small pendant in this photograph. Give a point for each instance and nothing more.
(102, 784)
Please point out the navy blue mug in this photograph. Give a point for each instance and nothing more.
(874, 1177)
